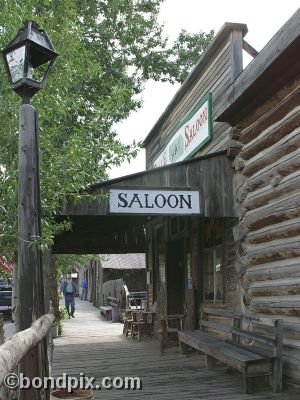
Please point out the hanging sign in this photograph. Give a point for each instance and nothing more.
(192, 133)
(154, 202)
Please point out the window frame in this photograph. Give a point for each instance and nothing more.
(213, 245)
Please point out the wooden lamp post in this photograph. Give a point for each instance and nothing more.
(28, 59)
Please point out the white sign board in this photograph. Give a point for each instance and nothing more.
(124, 201)
(190, 134)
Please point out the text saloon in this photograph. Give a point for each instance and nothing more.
(154, 202)
(189, 136)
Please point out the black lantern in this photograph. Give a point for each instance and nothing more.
(28, 59)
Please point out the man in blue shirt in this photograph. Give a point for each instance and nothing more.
(83, 289)
(69, 292)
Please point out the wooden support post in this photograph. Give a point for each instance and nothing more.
(183, 348)
(47, 278)
(236, 323)
(236, 51)
(249, 387)
(277, 367)
(249, 49)
(31, 301)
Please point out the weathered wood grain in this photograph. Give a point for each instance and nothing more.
(287, 144)
(272, 134)
(236, 54)
(249, 49)
(278, 111)
(266, 187)
(275, 212)
(274, 270)
(273, 190)
(274, 172)
(282, 230)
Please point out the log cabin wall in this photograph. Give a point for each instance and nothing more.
(263, 107)
(217, 68)
(267, 195)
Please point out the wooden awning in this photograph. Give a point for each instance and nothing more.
(96, 230)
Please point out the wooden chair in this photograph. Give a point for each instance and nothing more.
(137, 325)
(170, 325)
(127, 320)
(149, 318)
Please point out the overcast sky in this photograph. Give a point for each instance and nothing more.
(263, 19)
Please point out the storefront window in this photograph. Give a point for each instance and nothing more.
(213, 269)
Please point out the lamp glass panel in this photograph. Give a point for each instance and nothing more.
(40, 39)
(16, 60)
(37, 74)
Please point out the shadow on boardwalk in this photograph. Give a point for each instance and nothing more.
(98, 349)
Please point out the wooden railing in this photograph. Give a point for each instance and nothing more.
(14, 349)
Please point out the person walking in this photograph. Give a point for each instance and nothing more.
(84, 287)
(69, 292)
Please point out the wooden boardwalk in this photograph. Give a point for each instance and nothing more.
(98, 349)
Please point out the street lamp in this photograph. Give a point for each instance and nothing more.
(28, 59)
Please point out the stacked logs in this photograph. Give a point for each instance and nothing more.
(266, 157)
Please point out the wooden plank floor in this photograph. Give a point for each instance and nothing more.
(98, 349)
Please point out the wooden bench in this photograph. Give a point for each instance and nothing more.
(106, 312)
(256, 355)
(111, 310)
(114, 302)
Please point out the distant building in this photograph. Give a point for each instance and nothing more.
(108, 276)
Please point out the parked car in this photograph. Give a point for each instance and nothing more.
(5, 296)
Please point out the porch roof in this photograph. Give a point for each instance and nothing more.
(96, 230)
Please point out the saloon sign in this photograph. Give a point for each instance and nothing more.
(153, 202)
(190, 135)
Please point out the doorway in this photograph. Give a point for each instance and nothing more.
(175, 276)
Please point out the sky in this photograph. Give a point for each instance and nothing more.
(263, 19)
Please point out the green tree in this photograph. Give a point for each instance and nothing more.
(65, 263)
(108, 49)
